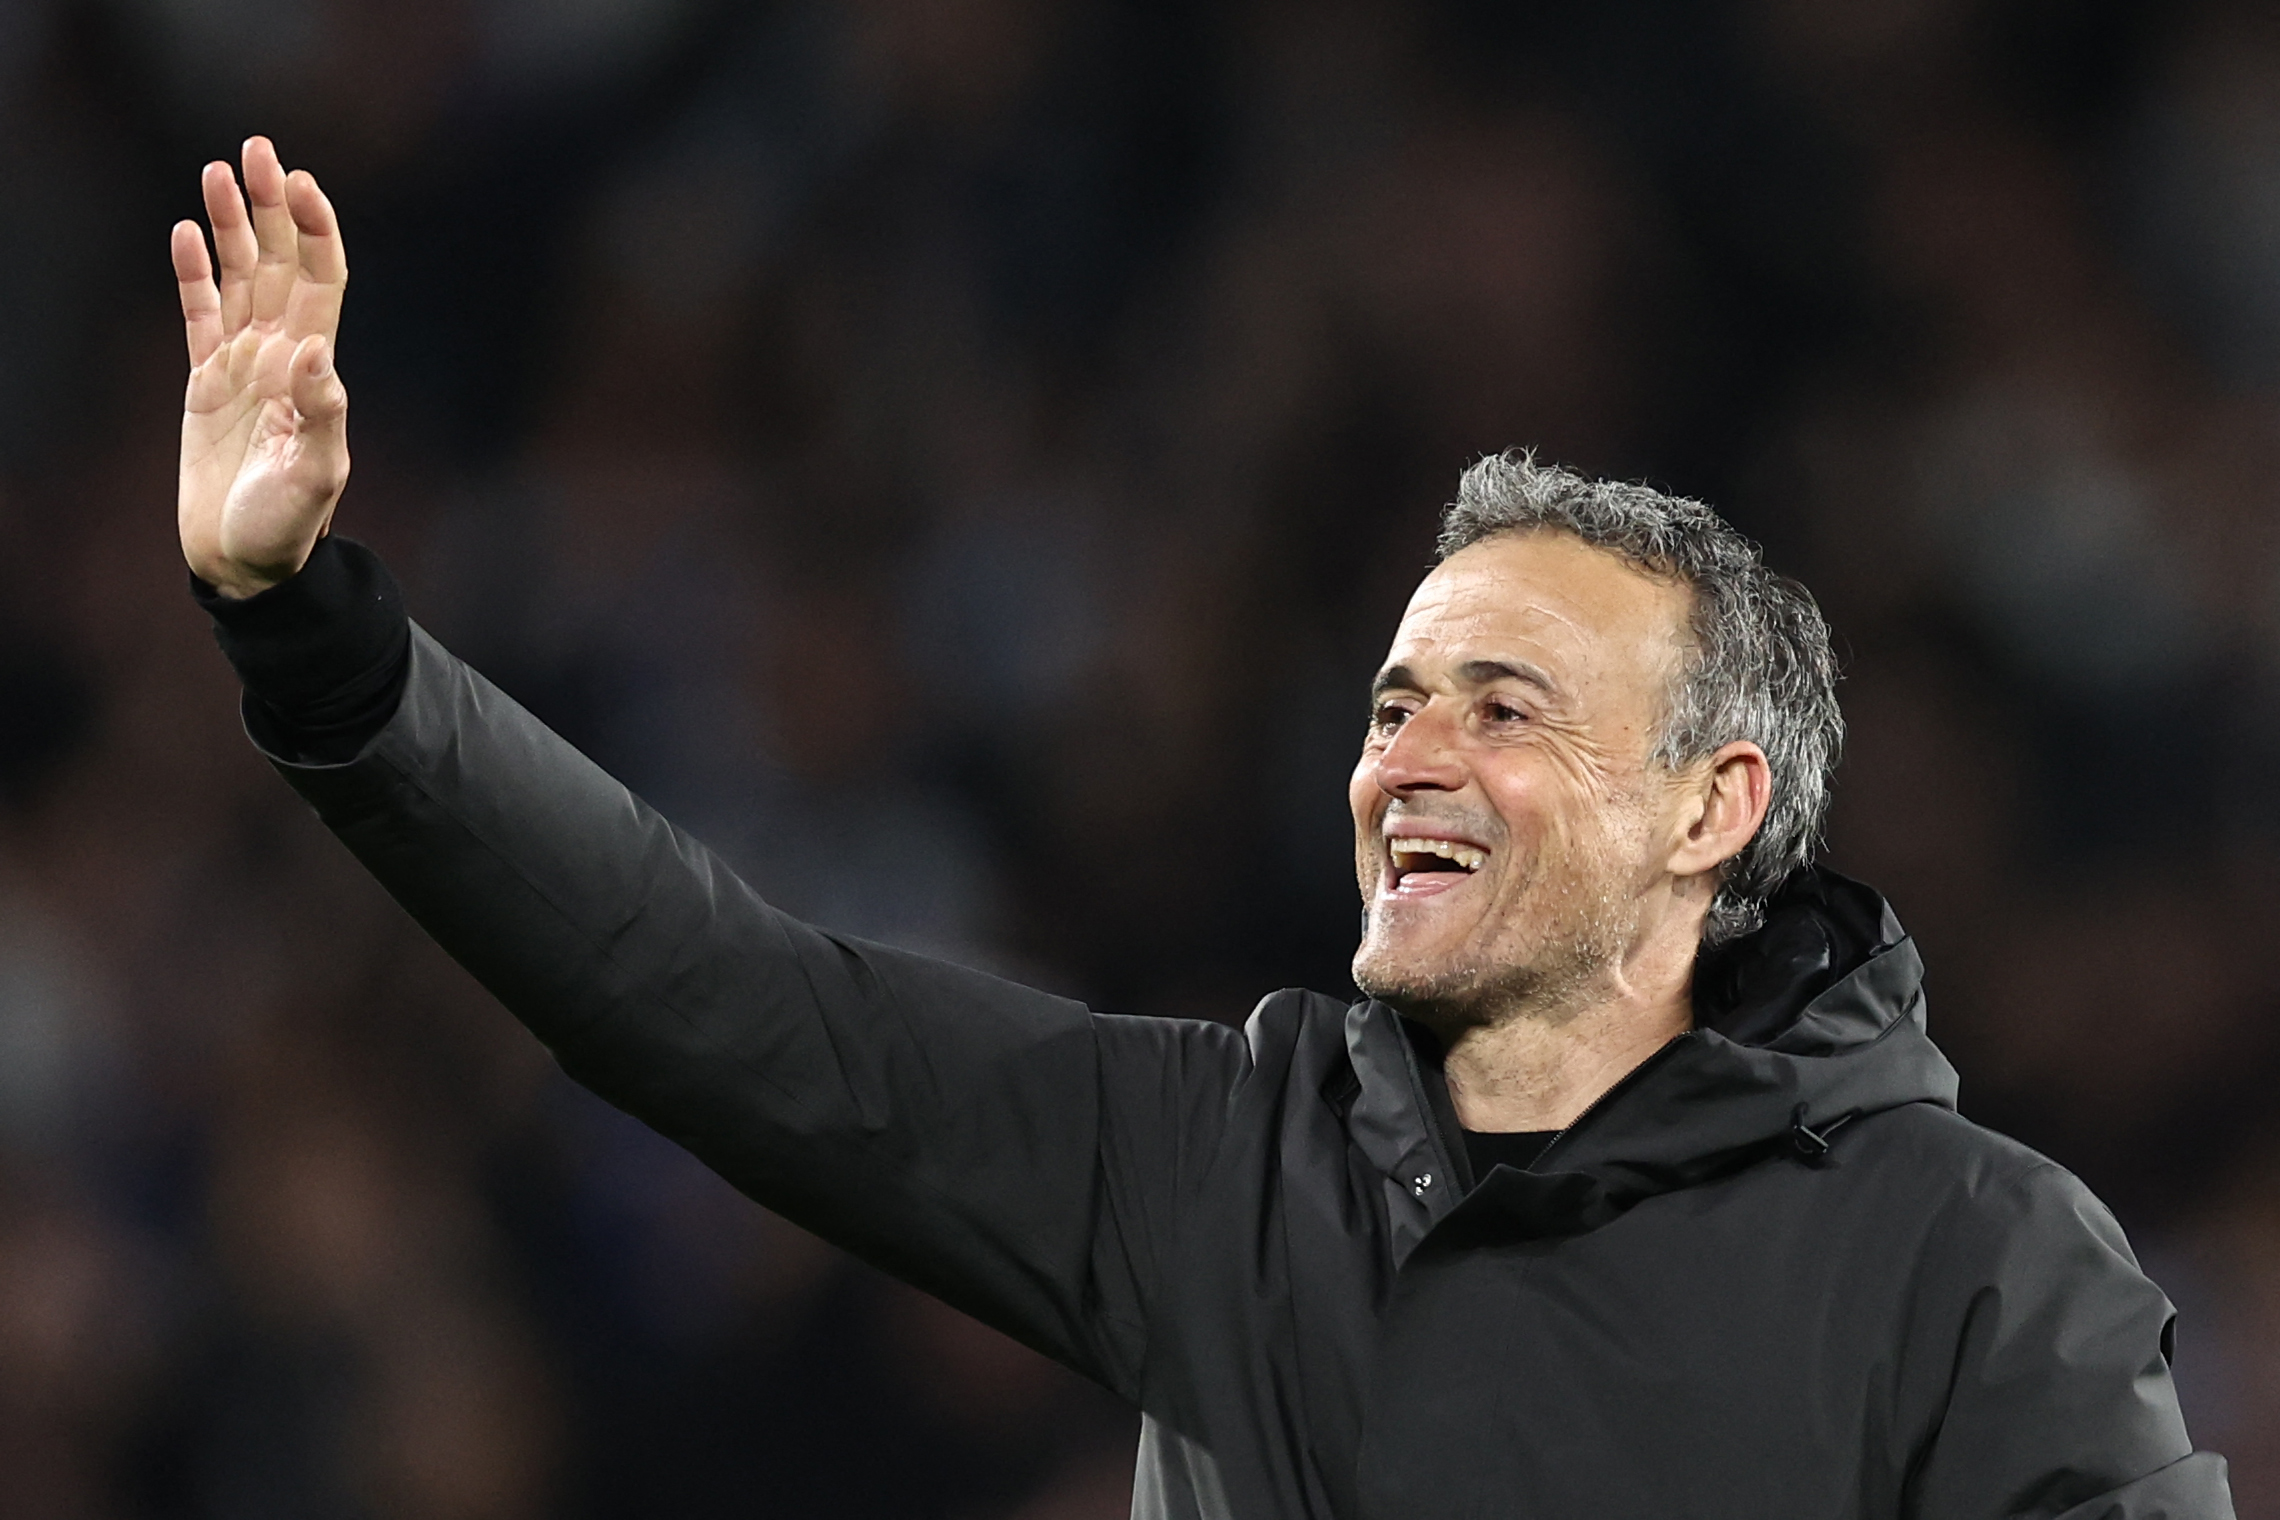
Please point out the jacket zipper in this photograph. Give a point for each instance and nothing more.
(1596, 1104)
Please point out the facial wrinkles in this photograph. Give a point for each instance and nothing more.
(1571, 907)
(1591, 764)
(1449, 627)
(1465, 619)
(1561, 909)
(1561, 920)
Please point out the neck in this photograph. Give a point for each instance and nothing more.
(1539, 1068)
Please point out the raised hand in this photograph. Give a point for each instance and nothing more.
(265, 418)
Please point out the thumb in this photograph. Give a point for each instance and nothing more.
(321, 425)
(318, 395)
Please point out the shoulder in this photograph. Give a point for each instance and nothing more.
(1972, 1155)
(1995, 1199)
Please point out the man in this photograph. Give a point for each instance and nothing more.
(1635, 1187)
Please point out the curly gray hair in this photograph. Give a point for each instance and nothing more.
(1762, 668)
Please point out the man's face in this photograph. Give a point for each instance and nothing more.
(1507, 823)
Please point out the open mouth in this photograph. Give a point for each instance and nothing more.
(1417, 867)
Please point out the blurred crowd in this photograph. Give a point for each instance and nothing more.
(963, 458)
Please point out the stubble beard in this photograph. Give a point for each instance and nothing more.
(1575, 914)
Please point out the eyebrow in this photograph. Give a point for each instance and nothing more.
(1471, 673)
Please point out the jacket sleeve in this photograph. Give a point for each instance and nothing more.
(1004, 1149)
(2060, 1404)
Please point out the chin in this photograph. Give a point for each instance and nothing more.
(1466, 989)
(1436, 991)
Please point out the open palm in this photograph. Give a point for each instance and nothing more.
(265, 418)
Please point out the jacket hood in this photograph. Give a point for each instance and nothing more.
(1802, 1026)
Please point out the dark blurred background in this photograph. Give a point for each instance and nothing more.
(963, 457)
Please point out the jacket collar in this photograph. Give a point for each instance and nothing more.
(1815, 1019)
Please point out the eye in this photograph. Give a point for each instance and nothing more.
(1503, 710)
(1386, 717)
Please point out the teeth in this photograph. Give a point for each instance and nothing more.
(1464, 855)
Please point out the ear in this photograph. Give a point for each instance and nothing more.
(1726, 803)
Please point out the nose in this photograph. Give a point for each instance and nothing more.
(1422, 756)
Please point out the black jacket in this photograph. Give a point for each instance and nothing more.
(1771, 1276)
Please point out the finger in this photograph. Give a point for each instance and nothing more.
(323, 276)
(234, 247)
(279, 259)
(201, 302)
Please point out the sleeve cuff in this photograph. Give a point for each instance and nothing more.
(324, 656)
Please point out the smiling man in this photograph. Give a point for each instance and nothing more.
(1633, 1188)
(1539, 861)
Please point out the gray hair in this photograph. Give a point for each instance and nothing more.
(1761, 668)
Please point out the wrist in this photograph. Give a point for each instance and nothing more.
(238, 581)
(233, 587)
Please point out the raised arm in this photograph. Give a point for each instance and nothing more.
(1008, 1150)
(942, 1124)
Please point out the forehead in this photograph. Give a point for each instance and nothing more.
(1584, 615)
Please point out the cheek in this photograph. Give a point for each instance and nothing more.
(1362, 792)
(1522, 793)
(1554, 790)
